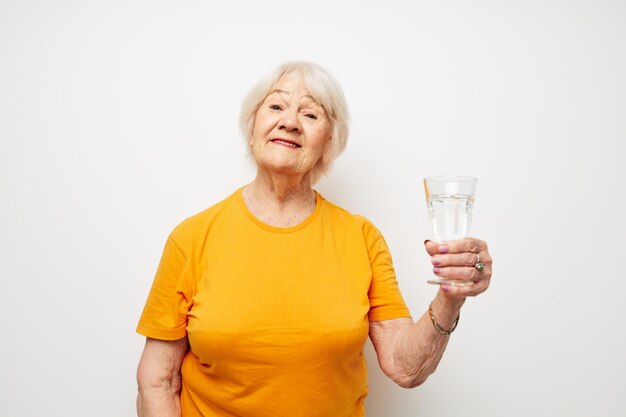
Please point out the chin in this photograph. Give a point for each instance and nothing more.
(280, 167)
(292, 169)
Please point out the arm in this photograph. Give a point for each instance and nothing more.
(159, 379)
(409, 352)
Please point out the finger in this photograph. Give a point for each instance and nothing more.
(461, 259)
(431, 247)
(467, 244)
(457, 259)
(466, 291)
(459, 273)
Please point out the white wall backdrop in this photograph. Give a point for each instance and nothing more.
(118, 119)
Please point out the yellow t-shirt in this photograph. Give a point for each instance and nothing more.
(277, 318)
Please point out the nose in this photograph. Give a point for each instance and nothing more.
(289, 121)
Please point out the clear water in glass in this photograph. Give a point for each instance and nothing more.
(450, 215)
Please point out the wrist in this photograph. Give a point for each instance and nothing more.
(446, 309)
(449, 301)
(437, 326)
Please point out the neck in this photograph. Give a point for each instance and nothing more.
(280, 200)
(281, 189)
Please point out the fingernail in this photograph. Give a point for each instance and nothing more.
(445, 288)
(436, 270)
(436, 261)
(443, 249)
(426, 241)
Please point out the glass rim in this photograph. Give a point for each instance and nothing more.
(455, 178)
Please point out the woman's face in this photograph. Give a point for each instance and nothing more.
(291, 131)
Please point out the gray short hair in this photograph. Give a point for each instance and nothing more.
(326, 92)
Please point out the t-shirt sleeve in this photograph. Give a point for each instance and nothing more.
(165, 313)
(386, 301)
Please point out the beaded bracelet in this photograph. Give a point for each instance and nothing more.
(437, 326)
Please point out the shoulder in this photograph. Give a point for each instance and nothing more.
(195, 227)
(357, 221)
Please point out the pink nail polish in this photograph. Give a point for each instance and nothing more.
(436, 261)
(436, 270)
(443, 249)
(445, 288)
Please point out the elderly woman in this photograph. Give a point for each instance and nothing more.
(262, 303)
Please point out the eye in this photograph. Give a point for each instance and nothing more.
(275, 107)
(311, 116)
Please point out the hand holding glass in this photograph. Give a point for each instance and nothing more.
(450, 201)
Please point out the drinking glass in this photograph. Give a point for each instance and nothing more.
(450, 201)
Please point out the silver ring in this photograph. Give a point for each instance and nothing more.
(480, 267)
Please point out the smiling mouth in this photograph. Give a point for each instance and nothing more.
(286, 142)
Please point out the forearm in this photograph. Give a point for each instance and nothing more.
(159, 378)
(158, 401)
(420, 347)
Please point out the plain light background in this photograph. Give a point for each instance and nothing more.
(118, 119)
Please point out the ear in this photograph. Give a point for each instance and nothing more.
(251, 139)
(252, 121)
(327, 149)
